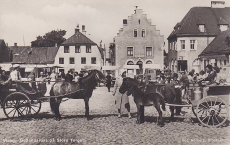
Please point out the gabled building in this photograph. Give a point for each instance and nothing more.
(194, 33)
(138, 43)
(78, 52)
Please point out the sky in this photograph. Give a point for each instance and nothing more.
(21, 21)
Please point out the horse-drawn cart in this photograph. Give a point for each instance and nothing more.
(212, 108)
(19, 100)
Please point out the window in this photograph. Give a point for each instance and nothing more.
(71, 60)
(66, 49)
(143, 33)
(149, 62)
(182, 44)
(88, 49)
(83, 60)
(192, 44)
(77, 49)
(201, 28)
(130, 63)
(93, 60)
(61, 60)
(129, 51)
(135, 33)
(148, 51)
(223, 27)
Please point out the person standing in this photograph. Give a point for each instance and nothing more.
(108, 81)
(15, 74)
(122, 100)
(69, 77)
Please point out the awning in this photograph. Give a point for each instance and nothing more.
(131, 67)
(152, 66)
(29, 69)
(222, 57)
(88, 67)
(110, 67)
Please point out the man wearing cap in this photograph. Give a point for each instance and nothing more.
(15, 74)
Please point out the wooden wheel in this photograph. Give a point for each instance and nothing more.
(35, 107)
(17, 105)
(212, 111)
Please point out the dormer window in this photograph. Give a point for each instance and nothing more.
(201, 28)
(223, 27)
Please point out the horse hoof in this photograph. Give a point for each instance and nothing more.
(138, 122)
(160, 125)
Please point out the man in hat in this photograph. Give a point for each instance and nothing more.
(15, 74)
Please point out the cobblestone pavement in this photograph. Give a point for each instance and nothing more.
(105, 127)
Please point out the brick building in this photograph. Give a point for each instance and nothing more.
(194, 33)
(138, 43)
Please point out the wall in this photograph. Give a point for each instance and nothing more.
(125, 38)
(77, 58)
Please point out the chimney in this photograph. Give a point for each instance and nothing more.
(15, 44)
(124, 21)
(77, 29)
(217, 4)
(83, 29)
(56, 44)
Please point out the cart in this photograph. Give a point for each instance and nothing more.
(19, 100)
(211, 109)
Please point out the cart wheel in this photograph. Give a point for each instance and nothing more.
(212, 111)
(35, 107)
(17, 105)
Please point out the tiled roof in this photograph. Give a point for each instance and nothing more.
(17, 49)
(218, 46)
(78, 39)
(36, 55)
(211, 17)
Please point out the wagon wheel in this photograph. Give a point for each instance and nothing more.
(212, 111)
(35, 107)
(17, 105)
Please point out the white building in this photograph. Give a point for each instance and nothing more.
(78, 52)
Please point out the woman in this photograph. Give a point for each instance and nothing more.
(122, 100)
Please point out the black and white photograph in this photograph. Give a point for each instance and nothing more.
(124, 72)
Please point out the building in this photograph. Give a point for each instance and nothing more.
(138, 43)
(41, 58)
(218, 51)
(78, 52)
(194, 33)
(4, 52)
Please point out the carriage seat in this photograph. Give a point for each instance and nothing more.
(25, 88)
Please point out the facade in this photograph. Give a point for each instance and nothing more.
(194, 33)
(138, 43)
(78, 52)
(4, 52)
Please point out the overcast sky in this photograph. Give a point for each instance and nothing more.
(102, 18)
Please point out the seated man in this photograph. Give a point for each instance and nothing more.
(15, 75)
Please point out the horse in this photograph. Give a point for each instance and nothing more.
(141, 99)
(75, 91)
(152, 96)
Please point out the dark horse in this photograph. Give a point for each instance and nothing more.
(72, 90)
(156, 98)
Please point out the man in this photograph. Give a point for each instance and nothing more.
(69, 76)
(15, 74)
(108, 81)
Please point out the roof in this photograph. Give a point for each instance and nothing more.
(36, 55)
(17, 49)
(210, 17)
(218, 46)
(78, 39)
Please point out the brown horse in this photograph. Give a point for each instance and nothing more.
(73, 90)
(152, 96)
(141, 99)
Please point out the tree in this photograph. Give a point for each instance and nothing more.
(49, 39)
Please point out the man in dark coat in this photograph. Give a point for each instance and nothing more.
(108, 81)
(69, 77)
